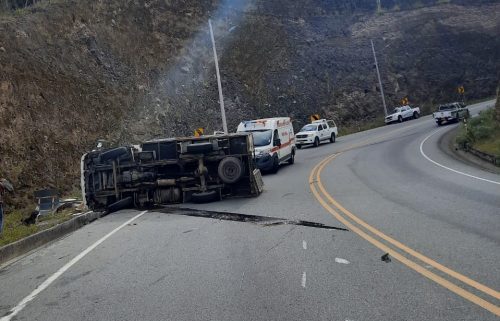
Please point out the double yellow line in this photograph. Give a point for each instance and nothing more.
(396, 249)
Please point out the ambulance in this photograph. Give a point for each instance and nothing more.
(274, 141)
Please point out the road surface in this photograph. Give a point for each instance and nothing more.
(392, 187)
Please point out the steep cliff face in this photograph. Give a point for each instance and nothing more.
(76, 71)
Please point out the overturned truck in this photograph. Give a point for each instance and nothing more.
(169, 171)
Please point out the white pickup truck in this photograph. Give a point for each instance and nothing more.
(451, 113)
(399, 114)
(316, 132)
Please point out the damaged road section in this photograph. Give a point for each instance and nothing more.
(246, 218)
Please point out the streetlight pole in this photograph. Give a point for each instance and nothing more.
(379, 80)
(221, 98)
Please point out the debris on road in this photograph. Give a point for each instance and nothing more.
(341, 261)
(386, 258)
(255, 219)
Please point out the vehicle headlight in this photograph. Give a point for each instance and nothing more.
(262, 153)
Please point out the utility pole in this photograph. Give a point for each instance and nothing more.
(221, 98)
(379, 80)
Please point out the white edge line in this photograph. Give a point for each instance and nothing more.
(304, 245)
(21, 305)
(304, 279)
(445, 167)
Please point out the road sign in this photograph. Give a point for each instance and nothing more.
(315, 117)
(199, 132)
(404, 101)
(461, 90)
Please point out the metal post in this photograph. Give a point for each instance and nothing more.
(379, 80)
(221, 98)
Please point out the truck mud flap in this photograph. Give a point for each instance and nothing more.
(257, 175)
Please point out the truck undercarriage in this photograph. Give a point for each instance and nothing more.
(169, 171)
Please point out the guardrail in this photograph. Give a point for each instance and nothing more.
(495, 160)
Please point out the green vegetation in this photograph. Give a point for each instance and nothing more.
(481, 133)
(14, 229)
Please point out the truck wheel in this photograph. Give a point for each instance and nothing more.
(291, 160)
(205, 197)
(416, 115)
(230, 170)
(439, 123)
(400, 119)
(332, 138)
(276, 165)
(316, 142)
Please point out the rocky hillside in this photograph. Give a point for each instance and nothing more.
(75, 71)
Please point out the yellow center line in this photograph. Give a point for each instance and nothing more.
(315, 177)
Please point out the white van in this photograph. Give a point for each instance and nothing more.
(274, 141)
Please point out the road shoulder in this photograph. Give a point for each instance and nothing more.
(446, 144)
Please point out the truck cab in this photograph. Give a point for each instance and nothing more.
(274, 141)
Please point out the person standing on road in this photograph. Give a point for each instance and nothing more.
(5, 185)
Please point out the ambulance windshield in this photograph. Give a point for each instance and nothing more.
(261, 137)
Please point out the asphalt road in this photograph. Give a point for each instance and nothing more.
(392, 187)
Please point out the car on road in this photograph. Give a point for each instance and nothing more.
(317, 132)
(400, 114)
(452, 112)
(274, 141)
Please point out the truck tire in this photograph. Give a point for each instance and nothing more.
(291, 160)
(400, 119)
(439, 123)
(415, 115)
(316, 142)
(205, 197)
(230, 170)
(332, 138)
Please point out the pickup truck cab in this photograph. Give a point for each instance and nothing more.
(400, 114)
(317, 132)
(274, 141)
(453, 112)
